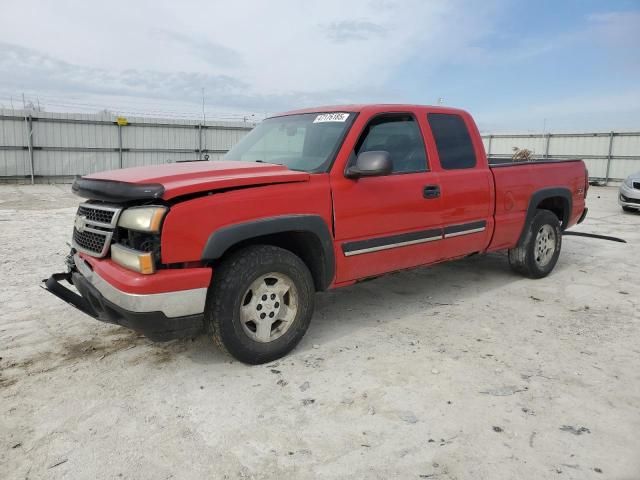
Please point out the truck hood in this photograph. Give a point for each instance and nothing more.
(178, 179)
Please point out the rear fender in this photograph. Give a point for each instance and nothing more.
(538, 197)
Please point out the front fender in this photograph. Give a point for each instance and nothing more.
(223, 239)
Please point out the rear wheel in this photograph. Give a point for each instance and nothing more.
(539, 252)
(260, 303)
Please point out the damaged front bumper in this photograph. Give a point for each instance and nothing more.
(159, 316)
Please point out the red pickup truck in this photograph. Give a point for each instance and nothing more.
(307, 201)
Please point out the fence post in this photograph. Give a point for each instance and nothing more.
(120, 144)
(28, 120)
(546, 146)
(199, 141)
(606, 177)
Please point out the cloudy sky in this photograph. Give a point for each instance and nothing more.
(516, 65)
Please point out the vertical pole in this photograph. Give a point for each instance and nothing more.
(202, 125)
(204, 118)
(29, 124)
(606, 177)
(120, 145)
(546, 146)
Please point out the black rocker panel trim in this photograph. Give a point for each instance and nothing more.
(464, 227)
(380, 243)
(221, 240)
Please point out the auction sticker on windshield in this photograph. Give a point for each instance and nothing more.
(331, 117)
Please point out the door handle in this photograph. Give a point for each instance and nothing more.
(431, 191)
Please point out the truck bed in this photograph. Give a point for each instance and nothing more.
(515, 183)
(508, 161)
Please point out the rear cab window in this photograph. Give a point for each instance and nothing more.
(453, 141)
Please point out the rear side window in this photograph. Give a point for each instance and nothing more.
(452, 140)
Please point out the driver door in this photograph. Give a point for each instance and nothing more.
(388, 222)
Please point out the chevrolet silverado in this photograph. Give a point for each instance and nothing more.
(309, 200)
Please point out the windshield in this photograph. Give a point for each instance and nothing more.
(306, 142)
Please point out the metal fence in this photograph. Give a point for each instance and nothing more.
(37, 146)
(608, 156)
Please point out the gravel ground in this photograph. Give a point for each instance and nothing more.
(461, 371)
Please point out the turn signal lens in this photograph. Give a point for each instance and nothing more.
(142, 219)
(131, 259)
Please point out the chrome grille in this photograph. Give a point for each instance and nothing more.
(89, 241)
(96, 215)
(94, 227)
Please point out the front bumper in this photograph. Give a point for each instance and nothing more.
(159, 316)
(629, 197)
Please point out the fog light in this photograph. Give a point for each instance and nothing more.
(131, 259)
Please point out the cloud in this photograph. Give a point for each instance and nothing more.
(580, 112)
(214, 54)
(255, 55)
(350, 30)
(270, 56)
(46, 77)
(619, 34)
(619, 29)
(616, 102)
(32, 70)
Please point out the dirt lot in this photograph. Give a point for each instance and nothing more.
(461, 371)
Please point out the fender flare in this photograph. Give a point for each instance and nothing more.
(541, 195)
(221, 240)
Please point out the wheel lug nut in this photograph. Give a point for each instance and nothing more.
(264, 297)
(259, 307)
(276, 305)
(262, 315)
(271, 315)
(273, 296)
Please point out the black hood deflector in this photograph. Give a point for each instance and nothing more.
(117, 192)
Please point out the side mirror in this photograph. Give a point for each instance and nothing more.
(371, 164)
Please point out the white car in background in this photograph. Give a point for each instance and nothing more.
(629, 195)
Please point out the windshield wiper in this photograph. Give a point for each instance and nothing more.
(272, 163)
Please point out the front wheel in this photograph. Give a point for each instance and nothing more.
(260, 303)
(539, 252)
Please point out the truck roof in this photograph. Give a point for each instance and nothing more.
(368, 107)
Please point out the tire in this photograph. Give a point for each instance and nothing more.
(629, 209)
(538, 254)
(260, 303)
